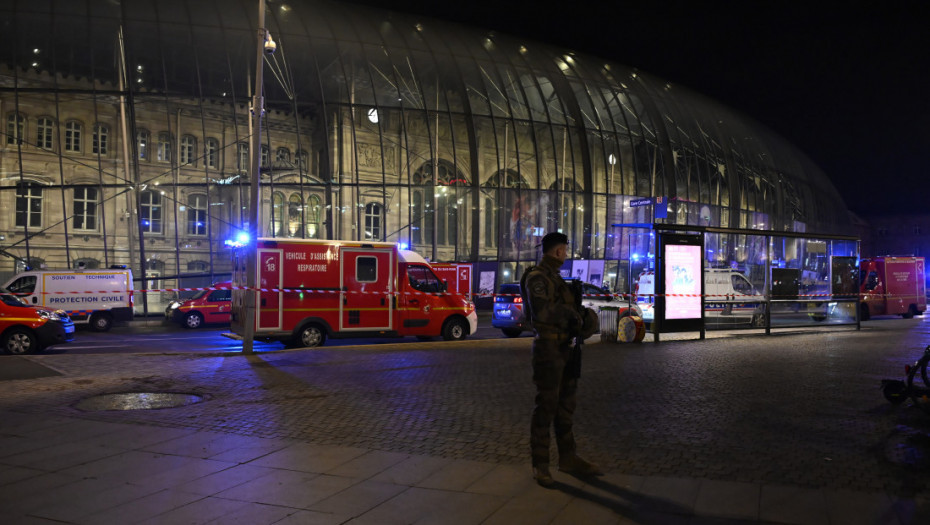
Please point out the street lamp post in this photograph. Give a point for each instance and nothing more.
(265, 45)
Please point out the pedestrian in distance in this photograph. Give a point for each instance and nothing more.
(557, 319)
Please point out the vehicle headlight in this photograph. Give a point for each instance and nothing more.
(53, 316)
(174, 305)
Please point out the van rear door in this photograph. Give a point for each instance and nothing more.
(366, 276)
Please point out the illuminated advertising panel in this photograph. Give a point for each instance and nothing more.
(680, 305)
(683, 282)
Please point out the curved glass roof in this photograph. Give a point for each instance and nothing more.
(612, 129)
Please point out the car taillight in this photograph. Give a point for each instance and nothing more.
(518, 299)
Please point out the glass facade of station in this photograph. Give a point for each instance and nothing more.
(126, 136)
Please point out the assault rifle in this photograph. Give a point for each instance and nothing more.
(574, 360)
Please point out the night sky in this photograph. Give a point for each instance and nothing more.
(848, 83)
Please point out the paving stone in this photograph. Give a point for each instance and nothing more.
(728, 499)
(286, 488)
(225, 479)
(197, 512)
(412, 470)
(309, 458)
(795, 505)
(358, 499)
(142, 508)
(669, 495)
(255, 514)
(456, 476)
(847, 506)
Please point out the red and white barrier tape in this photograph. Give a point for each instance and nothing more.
(313, 290)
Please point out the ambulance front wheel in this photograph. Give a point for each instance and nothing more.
(310, 336)
(101, 322)
(455, 329)
(20, 341)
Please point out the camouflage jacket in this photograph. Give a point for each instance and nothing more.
(550, 301)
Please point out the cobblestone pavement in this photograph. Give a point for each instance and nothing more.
(800, 409)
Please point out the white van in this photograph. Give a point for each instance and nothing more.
(96, 297)
(729, 297)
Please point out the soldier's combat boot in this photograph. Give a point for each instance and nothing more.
(574, 464)
(542, 476)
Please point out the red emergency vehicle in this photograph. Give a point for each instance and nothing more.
(313, 289)
(210, 305)
(892, 286)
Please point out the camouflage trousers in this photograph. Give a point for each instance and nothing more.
(555, 399)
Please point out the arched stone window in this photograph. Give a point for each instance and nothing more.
(188, 149)
(211, 153)
(373, 215)
(294, 214)
(86, 263)
(100, 144)
(314, 211)
(449, 199)
(143, 139)
(502, 198)
(242, 157)
(15, 128)
(45, 133)
(29, 201)
(164, 147)
(150, 220)
(197, 214)
(73, 135)
(86, 203)
(277, 214)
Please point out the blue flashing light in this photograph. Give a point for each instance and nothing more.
(403, 246)
(242, 239)
(635, 256)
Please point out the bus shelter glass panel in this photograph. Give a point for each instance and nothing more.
(734, 281)
(637, 264)
(813, 282)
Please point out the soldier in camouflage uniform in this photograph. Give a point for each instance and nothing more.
(556, 321)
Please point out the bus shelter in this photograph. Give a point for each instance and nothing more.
(693, 278)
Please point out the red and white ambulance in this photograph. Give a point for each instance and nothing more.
(892, 286)
(313, 289)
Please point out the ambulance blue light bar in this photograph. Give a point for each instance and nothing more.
(242, 239)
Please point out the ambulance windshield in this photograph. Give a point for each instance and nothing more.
(423, 279)
(10, 299)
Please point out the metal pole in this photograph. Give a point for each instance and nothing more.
(258, 106)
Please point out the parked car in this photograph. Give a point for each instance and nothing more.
(26, 329)
(211, 306)
(509, 315)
